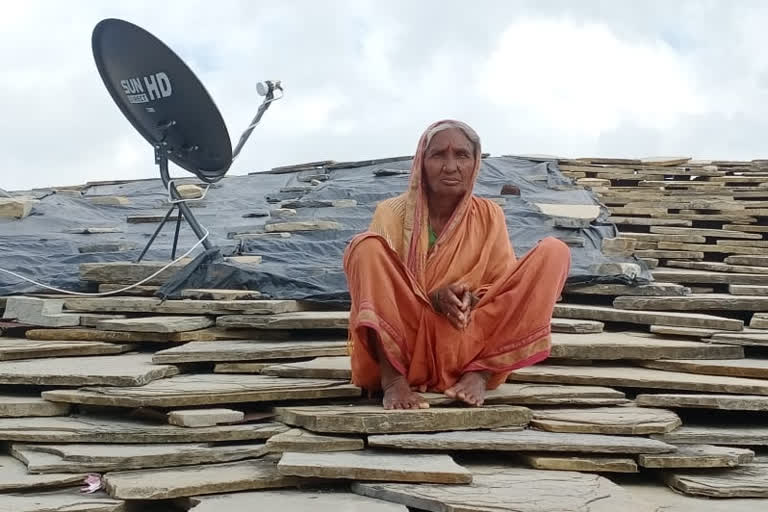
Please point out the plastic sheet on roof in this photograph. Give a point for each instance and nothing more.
(305, 266)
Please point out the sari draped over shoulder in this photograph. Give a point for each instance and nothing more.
(391, 272)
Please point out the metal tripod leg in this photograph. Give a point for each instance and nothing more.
(176, 236)
(157, 232)
(162, 161)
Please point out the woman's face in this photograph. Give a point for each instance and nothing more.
(448, 163)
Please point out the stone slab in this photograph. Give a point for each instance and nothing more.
(144, 219)
(729, 434)
(759, 321)
(60, 501)
(364, 419)
(698, 456)
(654, 237)
(524, 440)
(39, 312)
(90, 320)
(664, 499)
(22, 406)
(694, 332)
(748, 337)
(606, 420)
(300, 440)
(179, 307)
(298, 320)
(576, 211)
(21, 348)
(374, 466)
(91, 429)
(129, 272)
(714, 276)
(541, 394)
(14, 477)
(95, 230)
(644, 221)
(115, 246)
(570, 325)
(136, 291)
(642, 378)
(653, 289)
(713, 233)
(616, 345)
(160, 484)
(750, 481)
(204, 417)
(752, 260)
(189, 191)
(319, 368)
(247, 259)
(216, 294)
(317, 501)
(122, 370)
(243, 367)
(695, 302)
(100, 458)
(210, 389)
(704, 401)
(665, 161)
(164, 324)
(504, 489)
(15, 208)
(248, 350)
(669, 254)
(608, 314)
(746, 273)
(291, 227)
(109, 200)
(746, 227)
(755, 368)
(581, 463)
(505, 394)
(210, 334)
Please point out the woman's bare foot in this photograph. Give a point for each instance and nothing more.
(398, 395)
(470, 388)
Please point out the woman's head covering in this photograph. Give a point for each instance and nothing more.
(415, 223)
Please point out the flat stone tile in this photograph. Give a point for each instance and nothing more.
(501, 489)
(123, 370)
(370, 465)
(364, 419)
(293, 501)
(206, 389)
(97, 429)
(160, 484)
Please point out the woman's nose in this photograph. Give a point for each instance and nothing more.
(451, 164)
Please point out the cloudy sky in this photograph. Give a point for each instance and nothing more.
(364, 77)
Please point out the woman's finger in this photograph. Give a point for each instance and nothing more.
(452, 300)
(466, 301)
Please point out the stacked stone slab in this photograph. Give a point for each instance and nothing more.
(225, 398)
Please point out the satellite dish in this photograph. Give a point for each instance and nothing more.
(170, 108)
(162, 98)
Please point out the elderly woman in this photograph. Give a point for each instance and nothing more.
(439, 300)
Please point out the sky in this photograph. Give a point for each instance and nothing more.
(363, 79)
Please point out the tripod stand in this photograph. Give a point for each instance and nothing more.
(161, 159)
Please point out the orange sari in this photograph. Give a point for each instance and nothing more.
(391, 272)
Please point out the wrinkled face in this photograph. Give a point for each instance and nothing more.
(448, 163)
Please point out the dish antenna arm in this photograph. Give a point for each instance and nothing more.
(266, 89)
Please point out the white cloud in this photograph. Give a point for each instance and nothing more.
(363, 79)
(582, 78)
